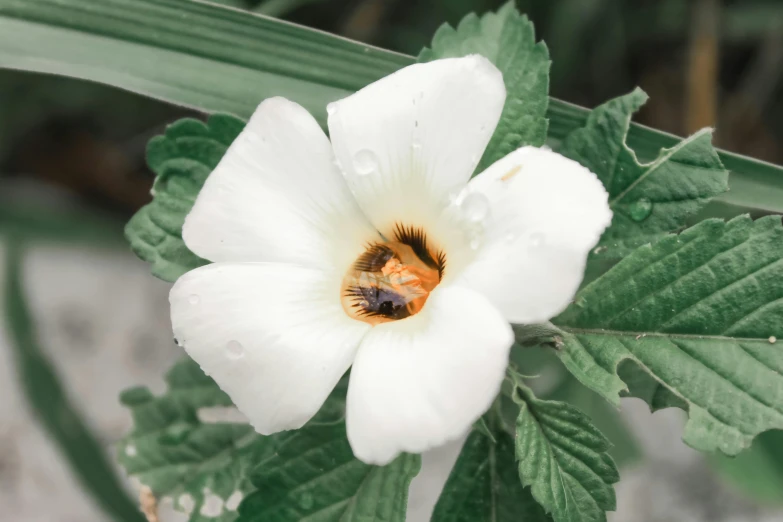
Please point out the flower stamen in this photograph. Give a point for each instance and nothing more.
(392, 280)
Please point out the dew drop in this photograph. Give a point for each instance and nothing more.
(131, 451)
(475, 207)
(331, 109)
(235, 350)
(194, 299)
(640, 209)
(773, 340)
(364, 304)
(365, 162)
(475, 243)
(416, 146)
(306, 501)
(597, 250)
(537, 240)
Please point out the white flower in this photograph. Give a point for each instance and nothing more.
(375, 250)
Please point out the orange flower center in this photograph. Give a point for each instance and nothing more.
(392, 280)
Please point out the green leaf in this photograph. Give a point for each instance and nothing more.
(182, 158)
(564, 460)
(758, 471)
(313, 475)
(204, 467)
(190, 53)
(508, 40)
(484, 485)
(625, 450)
(550, 380)
(648, 200)
(699, 313)
(216, 59)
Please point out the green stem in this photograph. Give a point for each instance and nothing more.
(49, 402)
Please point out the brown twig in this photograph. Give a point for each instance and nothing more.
(149, 504)
(702, 71)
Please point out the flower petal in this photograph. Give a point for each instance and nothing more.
(422, 381)
(546, 213)
(277, 196)
(274, 337)
(406, 140)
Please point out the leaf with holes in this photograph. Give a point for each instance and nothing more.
(699, 313)
(484, 484)
(648, 200)
(313, 475)
(564, 460)
(182, 159)
(204, 468)
(508, 40)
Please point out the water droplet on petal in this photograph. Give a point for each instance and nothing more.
(235, 350)
(640, 209)
(194, 299)
(537, 239)
(331, 109)
(475, 243)
(365, 162)
(416, 146)
(475, 207)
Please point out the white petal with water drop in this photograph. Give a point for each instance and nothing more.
(365, 162)
(557, 209)
(288, 322)
(454, 97)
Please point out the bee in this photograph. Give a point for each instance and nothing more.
(392, 280)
